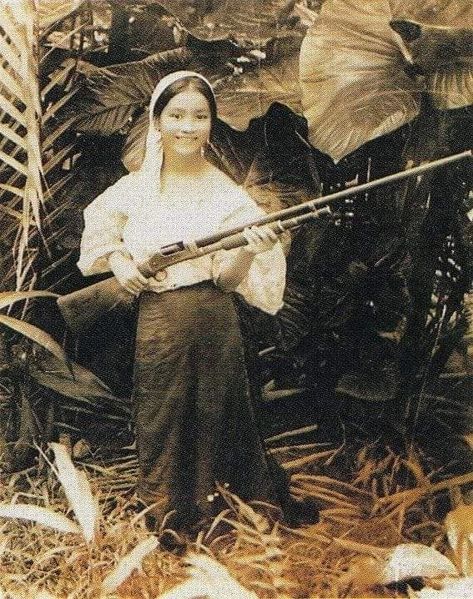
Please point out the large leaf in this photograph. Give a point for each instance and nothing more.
(245, 21)
(240, 98)
(358, 76)
(250, 94)
(354, 87)
(114, 93)
(440, 43)
(451, 13)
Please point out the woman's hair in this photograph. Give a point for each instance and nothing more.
(181, 85)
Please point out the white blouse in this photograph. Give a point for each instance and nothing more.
(132, 216)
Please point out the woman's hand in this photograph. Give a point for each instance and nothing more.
(260, 239)
(126, 271)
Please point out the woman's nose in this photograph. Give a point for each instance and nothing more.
(188, 124)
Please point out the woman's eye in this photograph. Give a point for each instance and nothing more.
(175, 115)
(202, 117)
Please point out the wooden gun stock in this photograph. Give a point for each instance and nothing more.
(82, 308)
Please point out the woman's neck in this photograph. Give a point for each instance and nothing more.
(185, 166)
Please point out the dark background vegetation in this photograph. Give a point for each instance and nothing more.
(369, 342)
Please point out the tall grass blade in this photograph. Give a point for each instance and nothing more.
(128, 563)
(208, 579)
(35, 334)
(78, 491)
(7, 298)
(40, 515)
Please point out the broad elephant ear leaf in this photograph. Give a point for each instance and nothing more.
(442, 48)
(246, 21)
(284, 170)
(112, 94)
(451, 13)
(240, 99)
(354, 86)
(249, 95)
(271, 159)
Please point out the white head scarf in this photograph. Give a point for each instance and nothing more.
(153, 156)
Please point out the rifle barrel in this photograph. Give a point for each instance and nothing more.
(314, 204)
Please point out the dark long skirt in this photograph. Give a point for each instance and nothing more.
(194, 420)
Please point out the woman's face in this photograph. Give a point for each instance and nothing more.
(185, 123)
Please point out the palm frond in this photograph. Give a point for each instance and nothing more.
(21, 113)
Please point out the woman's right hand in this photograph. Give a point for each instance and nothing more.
(127, 274)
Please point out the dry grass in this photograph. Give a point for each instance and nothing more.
(382, 501)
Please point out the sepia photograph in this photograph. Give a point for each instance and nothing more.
(236, 299)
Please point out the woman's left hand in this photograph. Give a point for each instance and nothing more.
(260, 239)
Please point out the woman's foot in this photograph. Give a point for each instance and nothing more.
(297, 512)
(170, 540)
(175, 529)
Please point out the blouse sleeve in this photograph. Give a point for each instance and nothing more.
(104, 219)
(263, 286)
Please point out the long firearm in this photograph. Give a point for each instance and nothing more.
(82, 308)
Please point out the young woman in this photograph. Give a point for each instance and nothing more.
(194, 420)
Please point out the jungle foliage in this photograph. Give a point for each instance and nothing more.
(374, 302)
